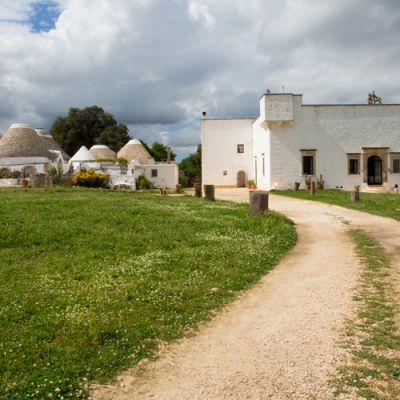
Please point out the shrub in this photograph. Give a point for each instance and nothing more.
(89, 179)
(56, 172)
(143, 183)
(5, 173)
(15, 174)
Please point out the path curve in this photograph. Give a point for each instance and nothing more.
(279, 339)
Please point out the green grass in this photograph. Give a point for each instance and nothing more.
(373, 338)
(92, 280)
(383, 204)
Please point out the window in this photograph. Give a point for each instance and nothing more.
(353, 164)
(396, 166)
(308, 165)
(308, 162)
(240, 148)
(395, 163)
(225, 173)
(154, 173)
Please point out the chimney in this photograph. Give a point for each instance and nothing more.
(204, 114)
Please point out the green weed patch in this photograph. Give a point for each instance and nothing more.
(374, 337)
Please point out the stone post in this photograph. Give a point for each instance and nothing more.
(197, 189)
(312, 188)
(209, 192)
(258, 202)
(355, 196)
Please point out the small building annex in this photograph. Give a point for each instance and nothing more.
(346, 144)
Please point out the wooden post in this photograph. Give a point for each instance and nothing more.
(258, 202)
(355, 196)
(197, 189)
(209, 192)
(312, 188)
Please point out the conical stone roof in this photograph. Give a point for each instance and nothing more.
(21, 140)
(82, 155)
(134, 150)
(51, 144)
(102, 151)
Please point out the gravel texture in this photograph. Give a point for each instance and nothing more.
(278, 340)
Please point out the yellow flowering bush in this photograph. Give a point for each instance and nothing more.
(89, 178)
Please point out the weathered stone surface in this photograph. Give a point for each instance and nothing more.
(258, 202)
(312, 188)
(355, 196)
(197, 189)
(38, 180)
(209, 192)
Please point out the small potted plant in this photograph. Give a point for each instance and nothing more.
(251, 184)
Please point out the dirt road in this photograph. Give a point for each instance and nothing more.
(279, 339)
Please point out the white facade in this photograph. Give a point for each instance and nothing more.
(220, 157)
(160, 175)
(347, 144)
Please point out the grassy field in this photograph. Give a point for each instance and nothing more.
(373, 339)
(385, 205)
(91, 280)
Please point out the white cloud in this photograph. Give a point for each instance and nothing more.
(156, 65)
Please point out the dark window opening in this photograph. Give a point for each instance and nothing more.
(308, 165)
(240, 148)
(396, 166)
(154, 173)
(354, 167)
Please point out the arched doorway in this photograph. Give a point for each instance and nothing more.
(241, 179)
(375, 170)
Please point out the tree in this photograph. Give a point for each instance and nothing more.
(191, 166)
(115, 137)
(160, 152)
(84, 127)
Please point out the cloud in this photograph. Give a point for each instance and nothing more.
(157, 65)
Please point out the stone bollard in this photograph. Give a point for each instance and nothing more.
(312, 188)
(197, 189)
(355, 196)
(209, 192)
(258, 202)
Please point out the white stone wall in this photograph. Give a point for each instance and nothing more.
(333, 131)
(261, 153)
(167, 175)
(219, 138)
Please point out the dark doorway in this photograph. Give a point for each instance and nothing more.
(374, 170)
(241, 179)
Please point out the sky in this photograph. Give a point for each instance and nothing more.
(157, 64)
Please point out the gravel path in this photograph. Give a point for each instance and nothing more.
(279, 339)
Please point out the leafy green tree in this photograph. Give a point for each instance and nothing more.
(115, 137)
(160, 152)
(191, 166)
(84, 127)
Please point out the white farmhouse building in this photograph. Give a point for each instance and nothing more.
(347, 144)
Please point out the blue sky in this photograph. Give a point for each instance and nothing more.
(44, 15)
(157, 64)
